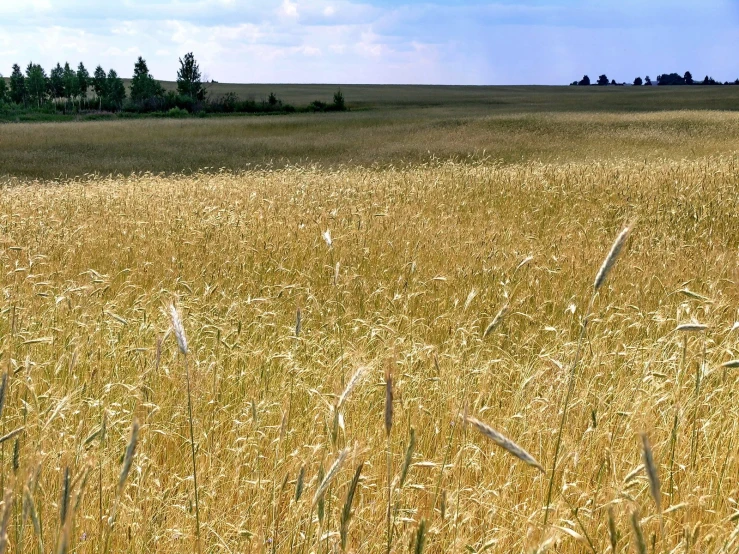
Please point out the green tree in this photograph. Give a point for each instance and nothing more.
(71, 83)
(602, 80)
(143, 86)
(339, 102)
(585, 81)
(3, 89)
(56, 82)
(100, 85)
(83, 80)
(17, 85)
(688, 78)
(638, 82)
(36, 83)
(189, 81)
(116, 90)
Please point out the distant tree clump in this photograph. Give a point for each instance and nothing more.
(602, 80)
(688, 78)
(638, 82)
(585, 81)
(66, 90)
(709, 81)
(189, 78)
(670, 80)
(647, 81)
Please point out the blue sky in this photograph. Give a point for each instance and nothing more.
(380, 41)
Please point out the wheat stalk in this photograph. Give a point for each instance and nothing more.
(612, 256)
(332, 472)
(504, 442)
(353, 382)
(496, 321)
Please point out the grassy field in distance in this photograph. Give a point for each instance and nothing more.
(395, 125)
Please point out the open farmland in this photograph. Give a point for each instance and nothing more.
(463, 280)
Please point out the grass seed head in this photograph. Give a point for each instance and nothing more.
(332, 472)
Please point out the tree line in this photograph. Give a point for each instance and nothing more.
(67, 90)
(662, 80)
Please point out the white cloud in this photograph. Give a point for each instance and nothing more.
(439, 41)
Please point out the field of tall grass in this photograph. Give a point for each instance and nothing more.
(324, 360)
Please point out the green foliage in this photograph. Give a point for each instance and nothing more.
(83, 80)
(638, 82)
(189, 78)
(100, 82)
(3, 90)
(602, 80)
(177, 112)
(56, 82)
(339, 102)
(115, 90)
(671, 79)
(17, 85)
(71, 83)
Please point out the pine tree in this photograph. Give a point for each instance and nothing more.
(56, 82)
(100, 85)
(83, 80)
(71, 83)
(17, 85)
(3, 89)
(143, 85)
(116, 89)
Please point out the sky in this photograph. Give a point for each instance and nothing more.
(472, 42)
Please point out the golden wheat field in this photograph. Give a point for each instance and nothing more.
(308, 301)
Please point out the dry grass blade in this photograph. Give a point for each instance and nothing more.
(612, 256)
(332, 472)
(178, 328)
(504, 442)
(298, 321)
(731, 364)
(496, 321)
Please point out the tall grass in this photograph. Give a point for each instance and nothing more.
(90, 267)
